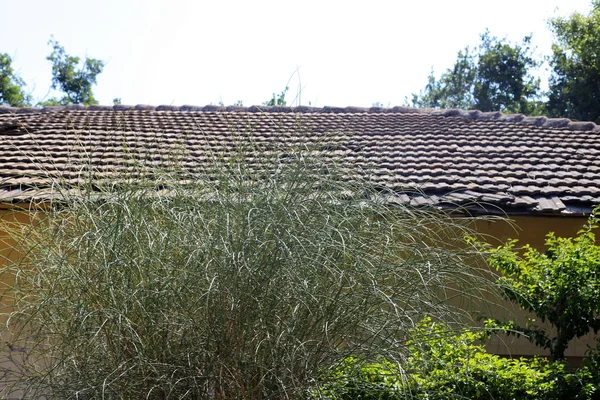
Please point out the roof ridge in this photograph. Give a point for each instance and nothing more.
(475, 115)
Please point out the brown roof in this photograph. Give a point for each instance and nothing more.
(453, 157)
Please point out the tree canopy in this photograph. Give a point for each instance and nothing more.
(73, 80)
(496, 75)
(575, 61)
(69, 75)
(11, 85)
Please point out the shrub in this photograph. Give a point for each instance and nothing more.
(559, 285)
(243, 281)
(353, 378)
(444, 365)
(449, 365)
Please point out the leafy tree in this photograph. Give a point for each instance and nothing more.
(575, 80)
(453, 89)
(494, 76)
(70, 77)
(560, 285)
(11, 85)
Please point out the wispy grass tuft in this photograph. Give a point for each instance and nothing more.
(245, 281)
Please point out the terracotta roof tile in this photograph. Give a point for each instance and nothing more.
(519, 163)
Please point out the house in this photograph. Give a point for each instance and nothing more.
(543, 173)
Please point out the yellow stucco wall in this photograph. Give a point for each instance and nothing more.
(8, 253)
(17, 218)
(530, 230)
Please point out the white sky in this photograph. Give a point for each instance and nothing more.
(347, 53)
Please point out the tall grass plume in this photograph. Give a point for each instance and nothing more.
(243, 281)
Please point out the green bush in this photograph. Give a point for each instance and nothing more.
(451, 365)
(239, 282)
(560, 285)
(354, 378)
(445, 365)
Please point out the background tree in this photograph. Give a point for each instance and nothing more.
(560, 285)
(575, 80)
(12, 91)
(70, 77)
(74, 80)
(495, 76)
(454, 89)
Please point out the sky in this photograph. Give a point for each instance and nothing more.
(329, 52)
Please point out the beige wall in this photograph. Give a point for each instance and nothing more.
(9, 218)
(530, 230)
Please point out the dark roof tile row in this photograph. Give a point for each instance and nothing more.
(512, 162)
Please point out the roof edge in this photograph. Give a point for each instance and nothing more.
(475, 115)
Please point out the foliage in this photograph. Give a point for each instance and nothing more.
(451, 365)
(74, 80)
(242, 281)
(560, 285)
(353, 379)
(67, 75)
(278, 99)
(443, 364)
(454, 89)
(12, 91)
(592, 364)
(575, 61)
(496, 76)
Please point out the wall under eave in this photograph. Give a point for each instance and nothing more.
(527, 229)
(530, 230)
(16, 222)
(11, 217)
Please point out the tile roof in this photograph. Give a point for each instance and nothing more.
(489, 161)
